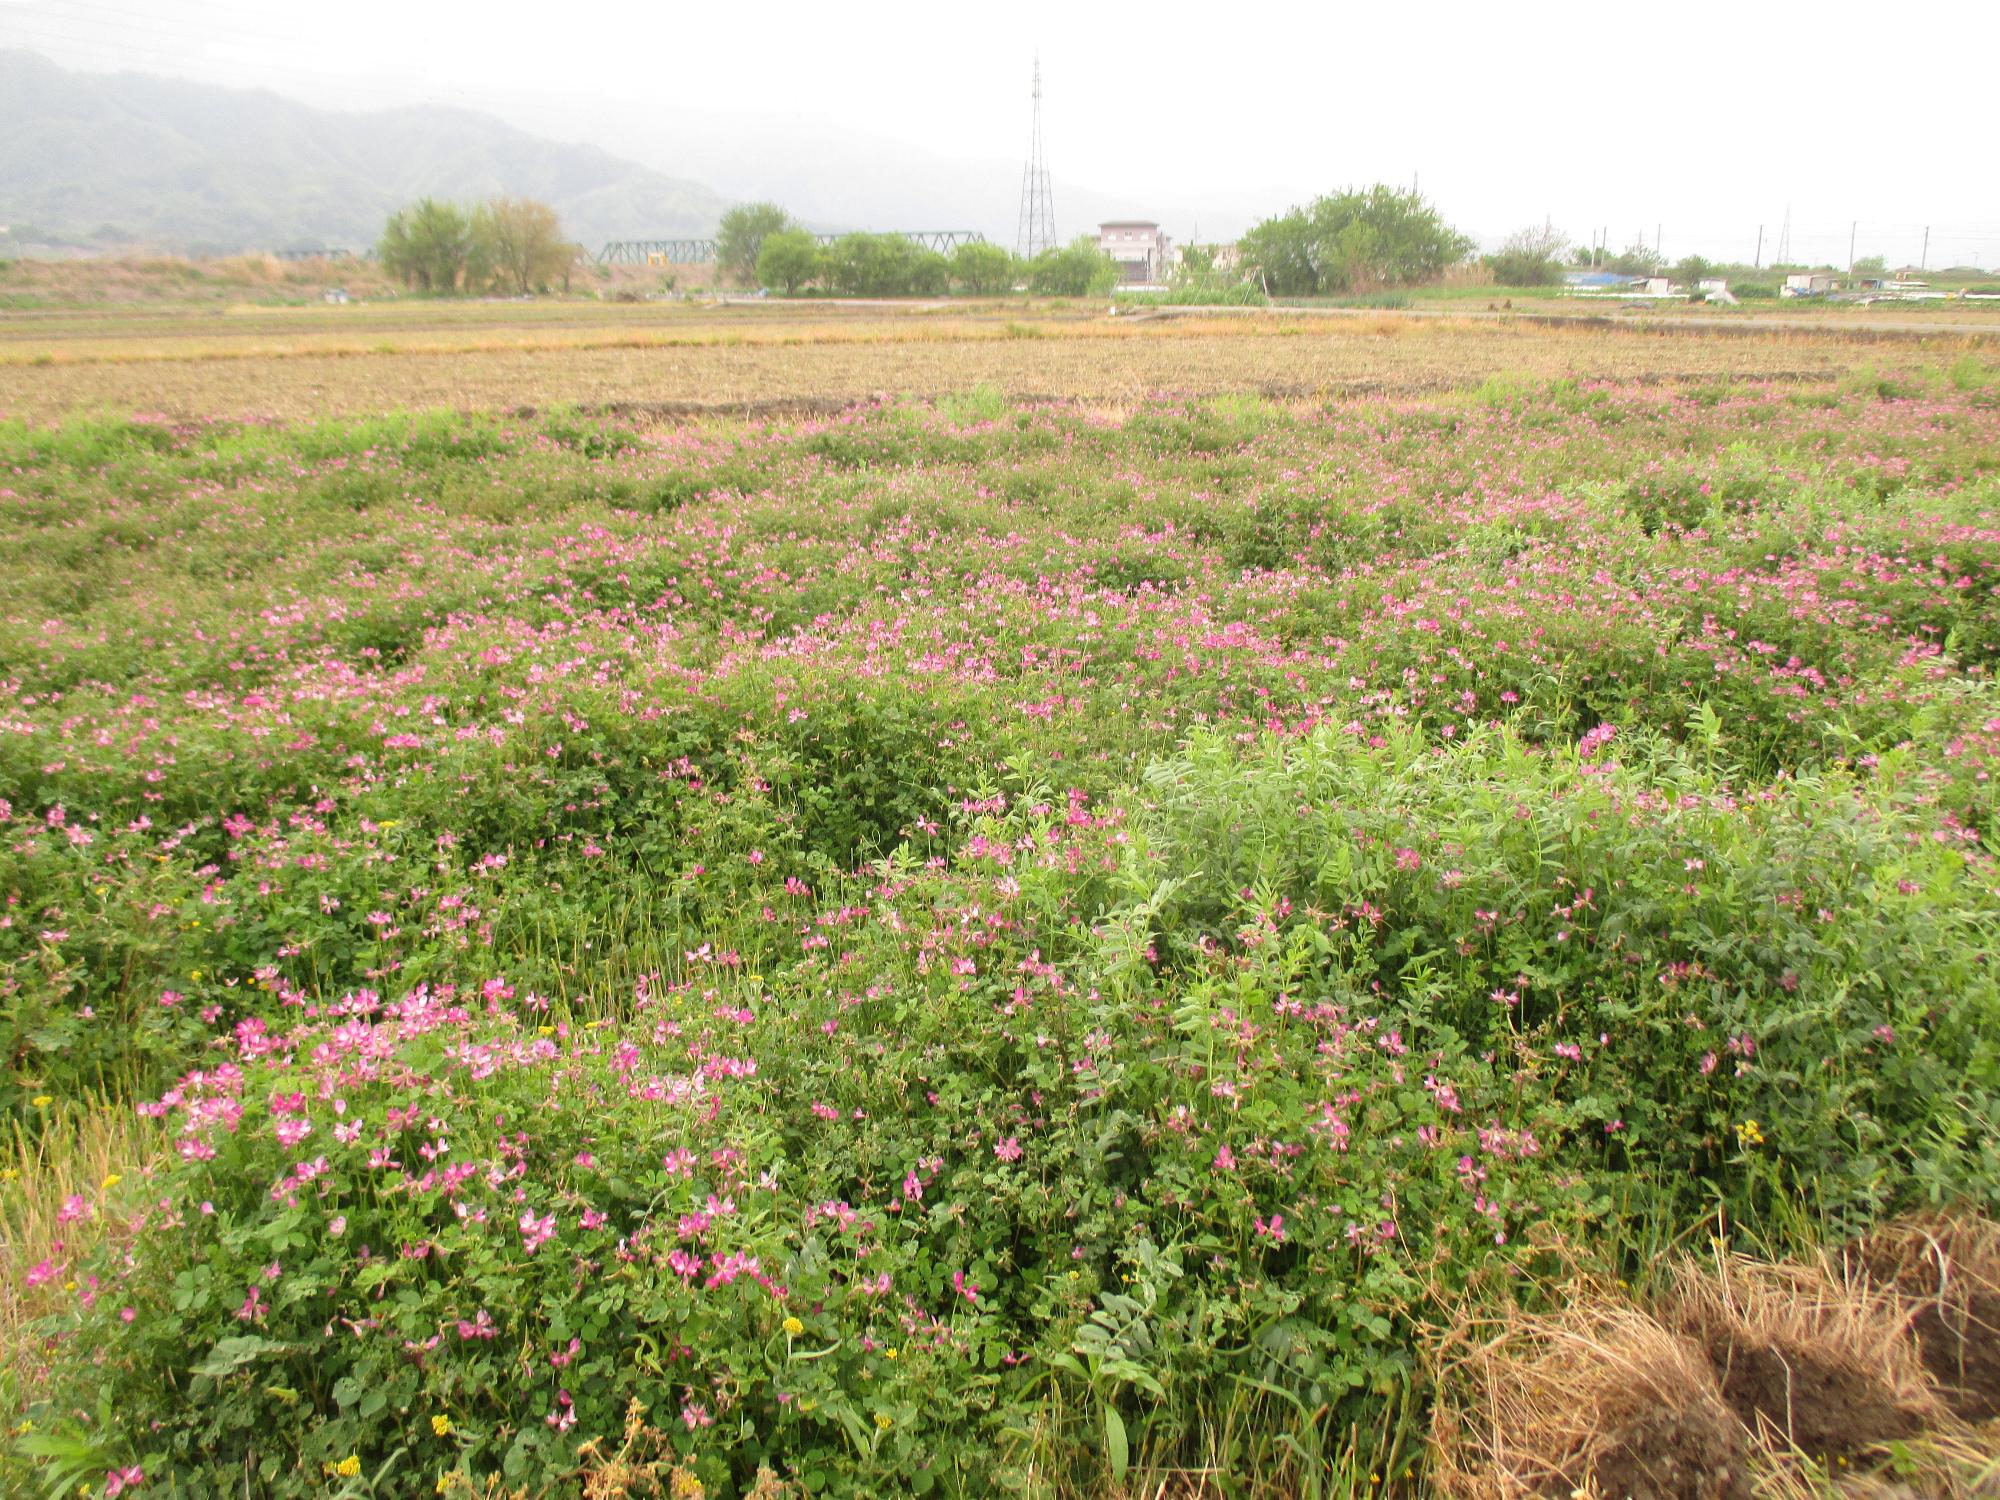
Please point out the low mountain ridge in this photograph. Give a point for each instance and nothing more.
(127, 159)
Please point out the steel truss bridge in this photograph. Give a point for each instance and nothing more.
(695, 252)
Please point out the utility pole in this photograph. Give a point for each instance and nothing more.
(1852, 229)
(1758, 263)
(1924, 261)
(1656, 242)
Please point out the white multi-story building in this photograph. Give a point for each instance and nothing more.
(1142, 252)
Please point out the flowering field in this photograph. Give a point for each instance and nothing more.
(959, 948)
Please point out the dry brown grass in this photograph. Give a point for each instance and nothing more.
(1945, 1269)
(178, 280)
(1796, 1380)
(682, 359)
(1598, 1399)
(1810, 1353)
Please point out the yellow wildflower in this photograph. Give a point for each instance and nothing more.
(884, 1421)
(42, 1101)
(1747, 1134)
(111, 1181)
(891, 1353)
(349, 1466)
(441, 1425)
(794, 1327)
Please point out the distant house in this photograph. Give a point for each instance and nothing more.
(336, 294)
(1141, 252)
(1599, 281)
(1809, 284)
(1224, 257)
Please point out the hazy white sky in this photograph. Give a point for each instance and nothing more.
(1704, 123)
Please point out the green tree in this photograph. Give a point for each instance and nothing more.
(1692, 270)
(739, 238)
(983, 269)
(930, 274)
(1079, 269)
(1197, 263)
(1636, 259)
(1529, 257)
(1278, 253)
(1353, 241)
(790, 259)
(520, 244)
(427, 245)
(885, 265)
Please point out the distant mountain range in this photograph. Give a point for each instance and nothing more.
(125, 159)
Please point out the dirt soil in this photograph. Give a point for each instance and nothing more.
(1961, 1349)
(1662, 1454)
(1827, 1410)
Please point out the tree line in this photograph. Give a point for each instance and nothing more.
(1353, 242)
(762, 244)
(511, 245)
(1359, 240)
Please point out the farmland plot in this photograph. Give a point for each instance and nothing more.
(962, 946)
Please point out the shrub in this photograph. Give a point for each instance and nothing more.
(1187, 896)
(1078, 270)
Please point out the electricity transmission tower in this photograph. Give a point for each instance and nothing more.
(1785, 240)
(1038, 217)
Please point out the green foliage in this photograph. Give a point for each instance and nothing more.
(1215, 293)
(967, 948)
(984, 269)
(885, 265)
(513, 245)
(1530, 257)
(1359, 240)
(1510, 269)
(1636, 259)
(428, 245)
(740, 236)
(790, 259)
(520, 244)
(1691, 270)
(1079, 269)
